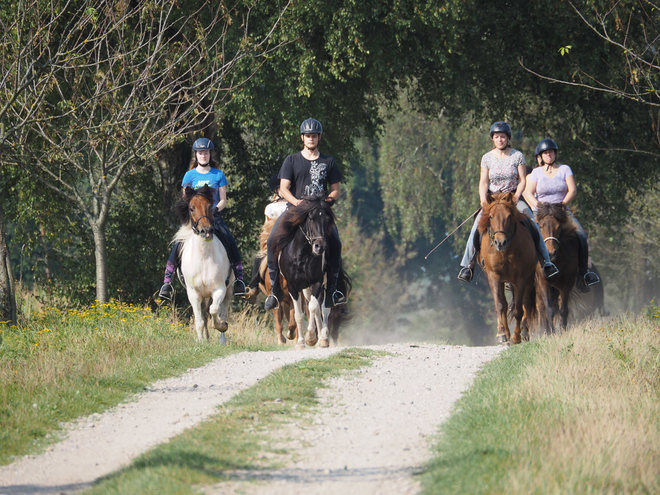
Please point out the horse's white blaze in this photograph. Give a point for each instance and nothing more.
(205, 268)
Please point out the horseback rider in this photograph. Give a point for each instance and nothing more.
(503, 170)
(553, 183)
(306, 173)
(204, 171)
(272, 211)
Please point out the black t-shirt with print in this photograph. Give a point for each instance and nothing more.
(309, 177)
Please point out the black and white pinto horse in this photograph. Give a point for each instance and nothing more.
(301, 240)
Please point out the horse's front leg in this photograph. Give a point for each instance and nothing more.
(314, 320)
(219, 309)
(499, 298)
(200, 318)
(297, 297)
(278, 316)
(322, 316)
(563, 308)
(518, 313)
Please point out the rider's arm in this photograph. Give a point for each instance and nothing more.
(572, 190)
(285, 192)
(483, 187)
(222, 192)
(522, 181)
(334, 191)
(530, 191)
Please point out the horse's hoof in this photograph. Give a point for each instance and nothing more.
(280, 339)
(502, 340)
(222, 339)
(324, 343)
(525, 336)
(311, 339)
(291, 335)
(300, 346)
(222, 327)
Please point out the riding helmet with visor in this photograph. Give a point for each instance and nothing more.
(545, 145)
(311, 126)
(203, 144)
(500, 127)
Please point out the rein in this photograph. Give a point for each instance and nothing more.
(507, 237)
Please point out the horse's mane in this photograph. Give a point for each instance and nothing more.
(292, 218)
(181, 206)
(558, 211)
(497, 199)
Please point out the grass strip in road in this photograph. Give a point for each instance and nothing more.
(574, 413)
(59, 366)
(237, 438)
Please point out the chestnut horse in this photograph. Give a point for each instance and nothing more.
(508, 254)
(285, 309)
(553, 295)
(204, 262)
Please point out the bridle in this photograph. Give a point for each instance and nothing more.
(309, 237)
(194, 224)
(507, 237)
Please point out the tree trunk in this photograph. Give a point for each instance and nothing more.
(101, 263)
(7, 296)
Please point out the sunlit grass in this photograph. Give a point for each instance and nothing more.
(576, 413)
(59, 365)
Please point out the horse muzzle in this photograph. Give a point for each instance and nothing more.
(318, 248)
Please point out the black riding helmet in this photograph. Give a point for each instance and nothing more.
(545, 145)
(311, 126)
(274, 183)
(500, 127)
(203, 144)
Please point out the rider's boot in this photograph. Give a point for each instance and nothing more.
(275, 296)
(253, 288)
(586, 277)
(467, 272)
(239, 283)
(165, 293)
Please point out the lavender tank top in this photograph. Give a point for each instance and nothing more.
(551, 189)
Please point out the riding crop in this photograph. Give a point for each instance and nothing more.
(452, 232)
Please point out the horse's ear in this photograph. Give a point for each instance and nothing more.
(189, 191)
(508, 197)
(489, 198)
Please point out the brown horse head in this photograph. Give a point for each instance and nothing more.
(500, 218)
(196, 208)
(555, 225)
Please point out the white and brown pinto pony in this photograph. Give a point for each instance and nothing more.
(204, 262)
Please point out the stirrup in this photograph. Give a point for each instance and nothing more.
(277, 302)
(590, 278)
(239, 290)
(550, 270)
(338, 298)
(165, 292)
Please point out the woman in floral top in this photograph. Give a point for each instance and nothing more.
(503, 170)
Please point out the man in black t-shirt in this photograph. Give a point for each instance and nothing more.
(308, 173)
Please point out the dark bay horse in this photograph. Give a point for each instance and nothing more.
(301, 238)
(508, 253)
(560, 236)
(204, 262)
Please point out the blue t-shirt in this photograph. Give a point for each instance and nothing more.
(215, 179)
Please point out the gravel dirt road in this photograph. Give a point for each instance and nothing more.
(371, 433)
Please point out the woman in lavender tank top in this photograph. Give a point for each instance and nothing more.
(553, 183)
(503, 169)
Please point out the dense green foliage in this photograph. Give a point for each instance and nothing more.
(405, 90)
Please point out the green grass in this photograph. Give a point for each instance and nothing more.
(576, 413)
(237, 437)
(58, 366)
